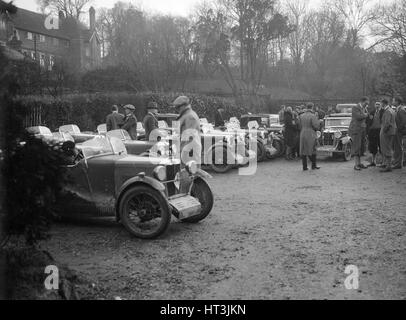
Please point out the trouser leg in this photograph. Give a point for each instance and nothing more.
(398, 151)
(304, 162)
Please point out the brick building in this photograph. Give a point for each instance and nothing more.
(73, 42)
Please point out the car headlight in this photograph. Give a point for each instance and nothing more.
(338, 134)
(318, 134)
(191, 167)
(160, 173)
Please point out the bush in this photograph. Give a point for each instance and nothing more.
(89, 110)
(33, 175)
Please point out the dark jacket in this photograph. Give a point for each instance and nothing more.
(401, 120)
(291, 129)
(114, 121)
(150, 124)
(388, 126)
(358, 121)
(130, 125)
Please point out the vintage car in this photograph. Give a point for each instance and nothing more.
(45, 133)
(334, 140)
(102, 129)
(140, 192)
(142, 147)
(75, 132)
(345, 108)
(271, 143)
(221, 151)
(267, 121)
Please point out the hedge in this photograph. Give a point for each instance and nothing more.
(89, 110)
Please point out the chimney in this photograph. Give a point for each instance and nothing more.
(92, 18)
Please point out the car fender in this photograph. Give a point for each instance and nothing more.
(203, 174)
(136, 181)
(346, 140)
(221, 145)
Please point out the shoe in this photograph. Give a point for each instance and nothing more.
(362, 166)
(316, 168)
(305, 169)
(357, 168)
(387, 169)
(371, 165)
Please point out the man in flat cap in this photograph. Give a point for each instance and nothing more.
(114, 120)
(150, 120)
(130, 121)
(189, 123)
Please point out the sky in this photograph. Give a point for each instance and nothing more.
(172, 7)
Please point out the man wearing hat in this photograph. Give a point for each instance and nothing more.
(189, 123)
(114, 120)
(130, 121)
(219, 118)
(150, 120)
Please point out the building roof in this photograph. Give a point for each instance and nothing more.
(35, 22)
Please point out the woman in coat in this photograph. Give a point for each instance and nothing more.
(309, 124)
(290, 133)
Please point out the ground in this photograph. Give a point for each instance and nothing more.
(281, 234)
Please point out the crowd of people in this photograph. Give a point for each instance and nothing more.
(383, 126)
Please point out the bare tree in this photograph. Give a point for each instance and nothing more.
(70, 8)
(298, 40)
(390, 26)
(357, 15)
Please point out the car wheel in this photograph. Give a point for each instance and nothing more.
(277, 144)
(221, 167)
(347, 152)
(261, 153)
(144, 212)
(201, 191)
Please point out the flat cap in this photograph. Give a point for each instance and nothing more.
(129, 107)
(152, 105)
(181, 101)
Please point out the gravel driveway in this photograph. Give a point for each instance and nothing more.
(281, 234)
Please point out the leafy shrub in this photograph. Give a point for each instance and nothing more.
(89, 110)
(32, 175)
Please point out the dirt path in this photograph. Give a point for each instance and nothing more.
(281, 234)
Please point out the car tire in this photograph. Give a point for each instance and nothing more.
(202, 191)
(347, 152)
(278, 145)
(220, 168)
(146, 193)
(261, 152)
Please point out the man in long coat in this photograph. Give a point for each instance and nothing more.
(309, 124)
(189, 122)
(357, 131)
(130, 121)
(388, 132)
(398, 156)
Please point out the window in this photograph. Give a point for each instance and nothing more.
(29, 36)
(66, 43)
(87, 52)
(41, 38)
(55, 41)
(2, 24)
(42, 60)
(32, 55)
(51, 62)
